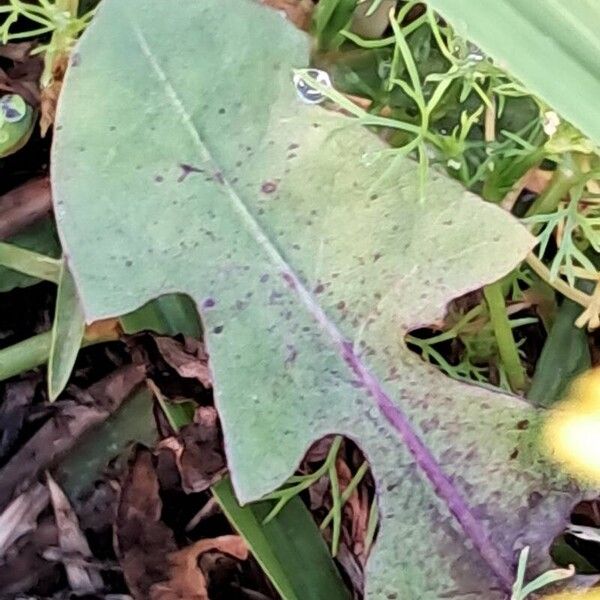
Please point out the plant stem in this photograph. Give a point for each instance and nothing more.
(559, 186)
(336, 509)
(509, 354)
(371, 525)
(360, 473)
(35, 351)
(558, 284)
(286, 494)
(591, 315)
(25, 355)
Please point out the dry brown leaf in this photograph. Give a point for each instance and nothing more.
(23, 77)
(318, 492)
(537, 180)
(50, 93)
(16, 51)
(373, 25)
(60, 433)
(83, 580)
(141, 538)
(353, 569)
(198, 451)
(106, 329)
(24, 205)
(20, 516)
(319, 450)
(189, 360)
(153, 566)
(360, 524)
(186, 578)
(16, 410)
(24, 566)
(299, 12)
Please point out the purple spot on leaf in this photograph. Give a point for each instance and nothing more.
(292, 354)
(187, 170)
(287, 277)
(268, 187)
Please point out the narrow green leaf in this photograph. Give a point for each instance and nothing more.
(545, 579)
(41, 238)
(566, 353)
(132, 422)
(67, 334)
(330, 17)
(168, 315)
(552, 46)
(180, 413)
(289, 548)
(177, 414)
(29, 262)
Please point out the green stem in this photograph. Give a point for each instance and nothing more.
(336, 509)
(559, 187)
(371, 525)
(348, 491)
(33, 352)
(25, 355)
(285, 495)
(31, 33)
(509, 354)
(556, 282)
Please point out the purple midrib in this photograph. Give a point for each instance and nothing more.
(442, 486)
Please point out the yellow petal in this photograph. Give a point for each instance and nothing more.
(593, 595)
(572, 431)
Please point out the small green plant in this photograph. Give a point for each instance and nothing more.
(575, 226)
(55, 21)
(522, 591)
(474, 332)
(439, 99)
(299, 483)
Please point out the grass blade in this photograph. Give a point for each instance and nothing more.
(29, 262)
(289, 548)
(168, 315)
(67, 334)
(565, 354)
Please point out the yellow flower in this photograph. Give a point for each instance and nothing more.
(572, 431)
(593, 595)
